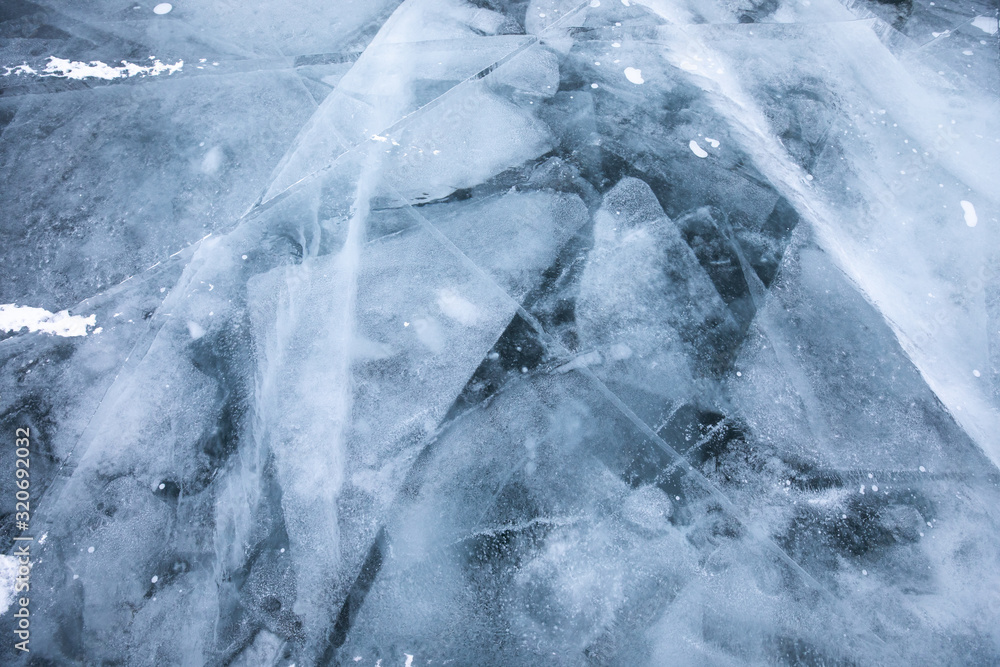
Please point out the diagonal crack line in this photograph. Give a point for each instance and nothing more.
(26, 85)
(403, 120)
(261, 62)
(261, 206)
(620, 405)
(641, 29)
(747, 124)
(144, 342)
(143, 275)
(530, 40)
(141, 347)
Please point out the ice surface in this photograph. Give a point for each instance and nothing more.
(632, 332)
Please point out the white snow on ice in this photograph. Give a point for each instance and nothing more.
(95, 69)
(634, 75)
(971, 219)
(987, 24)
(696, 149)
(8, 576)
(15, 318)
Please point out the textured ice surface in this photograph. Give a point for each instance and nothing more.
(542, 332)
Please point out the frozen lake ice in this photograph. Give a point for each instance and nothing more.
(500, 332)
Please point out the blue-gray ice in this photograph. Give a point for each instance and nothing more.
(502, 332)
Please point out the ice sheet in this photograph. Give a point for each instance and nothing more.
(631, 332)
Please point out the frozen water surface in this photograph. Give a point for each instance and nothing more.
(542, 332)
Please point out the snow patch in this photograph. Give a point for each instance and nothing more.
(696, 149)
(987, 24)
(15, 318)
(8, 576)
(634, 75)
(971, 219)
(95, 69)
